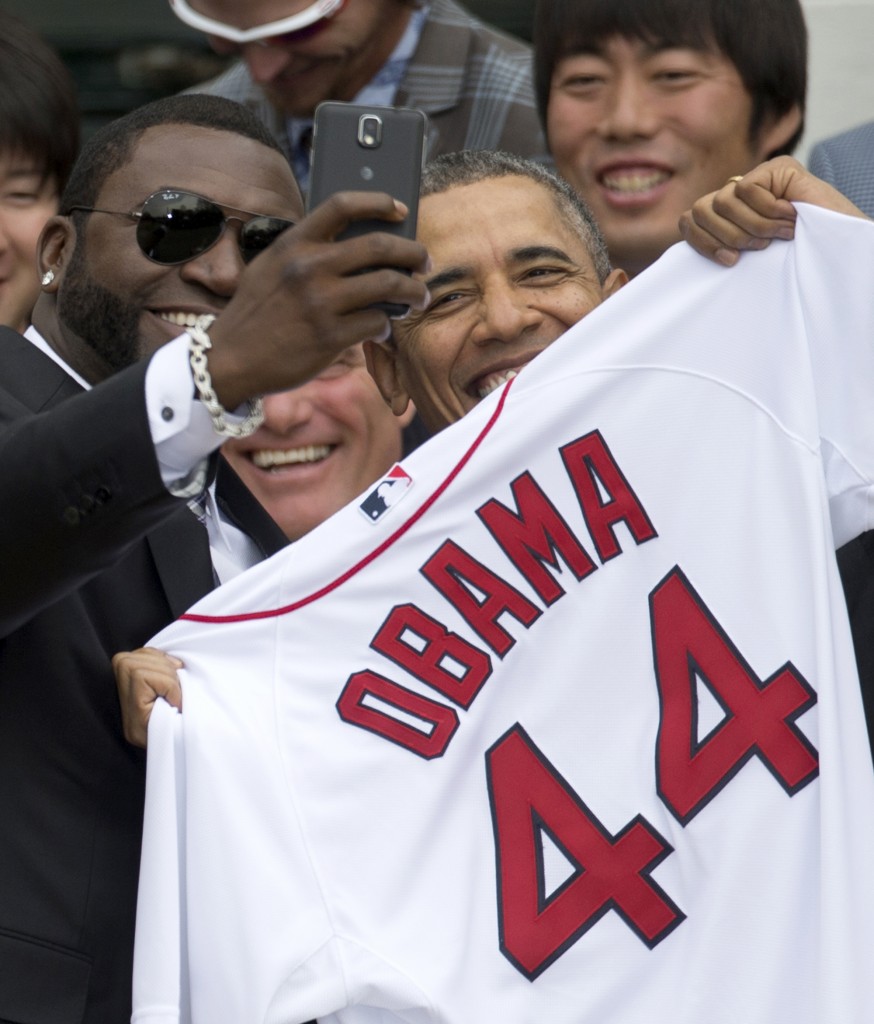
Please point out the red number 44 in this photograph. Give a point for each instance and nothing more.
(531, 803)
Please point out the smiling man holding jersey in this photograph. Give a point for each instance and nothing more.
(554, 727)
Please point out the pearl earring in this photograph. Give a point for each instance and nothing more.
(48, 277)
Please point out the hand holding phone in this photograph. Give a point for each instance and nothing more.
(373, 149)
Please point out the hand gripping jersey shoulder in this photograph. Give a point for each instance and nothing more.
(572, 733)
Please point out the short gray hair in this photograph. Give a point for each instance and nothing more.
(469, 166)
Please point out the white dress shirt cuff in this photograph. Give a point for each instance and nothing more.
(181, 427)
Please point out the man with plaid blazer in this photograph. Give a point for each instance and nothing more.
(473, 82)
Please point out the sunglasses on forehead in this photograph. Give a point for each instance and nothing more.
(174, 227)
(315, 12)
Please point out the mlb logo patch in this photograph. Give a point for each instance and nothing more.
(386, 494)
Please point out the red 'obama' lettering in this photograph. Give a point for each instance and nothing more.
(760, 716)
(443, 660)
(381, 706)
(534, 536)
(528, 798)
(461, 579)
(605, 496)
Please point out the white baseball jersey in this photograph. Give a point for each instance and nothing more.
(571, 732)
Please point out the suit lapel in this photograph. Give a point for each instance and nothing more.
(180, 548)
(245, 511)
(182, 542)
(37, 381)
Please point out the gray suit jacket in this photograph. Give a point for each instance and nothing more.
(847, 162)
(96, 557)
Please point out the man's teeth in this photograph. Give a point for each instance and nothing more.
(634, 182)
(202, 320)
(495, 381)
(311, 453)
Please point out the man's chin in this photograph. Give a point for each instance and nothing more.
(294, 100)
(635, 254)
(106, 324)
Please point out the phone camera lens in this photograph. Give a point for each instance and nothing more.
(370, 131)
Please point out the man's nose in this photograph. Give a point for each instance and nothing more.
(629, 112)
(219, 268)
(505, 314)
(288, 409)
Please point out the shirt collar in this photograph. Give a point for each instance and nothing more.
(382, 88)
(379, 91)
(33, 335)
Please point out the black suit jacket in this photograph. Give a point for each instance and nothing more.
(95, 557)
(856, 563)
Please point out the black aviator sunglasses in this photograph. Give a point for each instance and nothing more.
(174, 227)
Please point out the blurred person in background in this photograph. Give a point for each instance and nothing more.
(39, 139)
(845, 161)
(471, 80)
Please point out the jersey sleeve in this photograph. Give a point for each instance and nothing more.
(833, 273)
(229, 885)
(161, 896)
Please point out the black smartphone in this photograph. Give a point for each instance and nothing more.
(372, 149)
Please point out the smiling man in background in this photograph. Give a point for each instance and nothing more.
(650, 104)
(321, 445)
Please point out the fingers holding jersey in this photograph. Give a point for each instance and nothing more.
(309, 296)
(750, 212)
(741, 215)
(142, 676)
(784, 179)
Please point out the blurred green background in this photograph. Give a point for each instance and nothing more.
(126, 52)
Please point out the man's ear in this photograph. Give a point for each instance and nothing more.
(407, 417)
(381, 358)
(615, 280)
(775, 133)
(54, 250)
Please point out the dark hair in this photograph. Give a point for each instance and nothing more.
(469, 166)
(766, 40)
(111, 146)
(39, 112)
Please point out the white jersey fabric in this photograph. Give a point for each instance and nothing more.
(573, 733)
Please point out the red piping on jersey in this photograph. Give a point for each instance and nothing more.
(386, 544)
